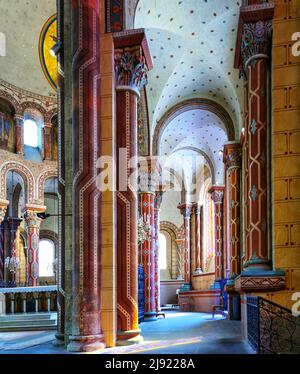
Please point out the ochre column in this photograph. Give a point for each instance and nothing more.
(33, 223)
(186, 211)
(19, 121)
(232, 160)
(217, 195)
(180, 248)
(86, 210)
(132, 63)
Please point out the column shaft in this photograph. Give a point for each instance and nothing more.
(48, 141)
(60, 335)
(33, 223)
(149, 254)
(86, 320)
(19, 120)
(132, 63)
(217, 194)
(198, 235)
(232, 160)
(257, 241)
(186, 210)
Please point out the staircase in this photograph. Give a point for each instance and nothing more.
(28, 322)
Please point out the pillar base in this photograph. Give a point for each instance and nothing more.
(198, 271)
(186, 287)
(150, 316)
(88, 343)
(125, 338)
(59, 340)
(257, 280)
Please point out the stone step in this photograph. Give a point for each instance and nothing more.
(32, 321)
(26, 316)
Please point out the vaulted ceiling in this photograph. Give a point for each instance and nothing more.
(192, 43)
(22, 22)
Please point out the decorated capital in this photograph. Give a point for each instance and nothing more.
(132, 60)
(232, 155)
(217, 194)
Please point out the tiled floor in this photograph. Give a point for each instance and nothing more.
(178, 333)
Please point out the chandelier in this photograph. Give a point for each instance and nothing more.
(12, 264)
(144, 230)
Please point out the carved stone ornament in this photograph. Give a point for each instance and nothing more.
(256, 39)
(131, 69)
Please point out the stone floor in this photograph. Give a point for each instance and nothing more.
(178, 333)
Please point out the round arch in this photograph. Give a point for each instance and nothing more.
(41, 179)
(26, 175)
(187, 105)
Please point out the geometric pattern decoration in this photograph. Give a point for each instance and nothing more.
(217, 195)
(148, 249)
(86, 207)
(131, 74)
(232, 160)
(33, 223)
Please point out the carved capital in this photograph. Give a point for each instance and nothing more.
(186, 210)
(232, 155)
(32, 219)
(256, 39)
(254, 35)
(132, 59)
(131, 69)
(149, 174)
(217, 194)
(19, 119)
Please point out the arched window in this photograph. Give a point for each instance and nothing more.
(162, 252)
(46, 258)
(30, 133)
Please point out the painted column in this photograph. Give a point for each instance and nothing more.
(255, 47)
(86, 208)
(198, 239)
(157, 204)
(132, 62)
(180, 247)
(33, 223)
(19, 136)
(186, 211)
(254, 43)
(48, 141)
(148, 253)
(232, 160)
(63, 227)
(3, 209)
(193, 238)
(217, 195)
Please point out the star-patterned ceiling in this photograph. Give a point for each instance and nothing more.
(192, 43)
(22, 22)
(196, 129)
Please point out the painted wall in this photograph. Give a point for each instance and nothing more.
(286, 146)
(169, 211)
